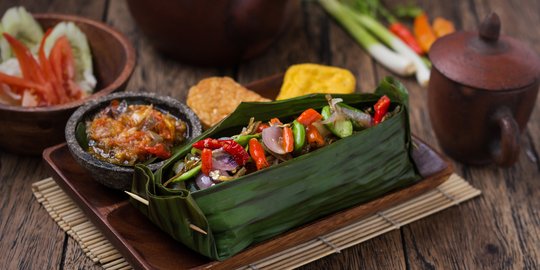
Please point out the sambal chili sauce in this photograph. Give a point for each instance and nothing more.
(125, 134)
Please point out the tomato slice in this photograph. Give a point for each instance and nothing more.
(18, 84)
(63, 66)
(30, 69)
(57, 93)
(29, 66)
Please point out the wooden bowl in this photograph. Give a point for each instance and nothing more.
(30, 130)
(213, 33)
(111, 175)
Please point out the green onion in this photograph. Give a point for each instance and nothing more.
(391, 40)
(391, 60)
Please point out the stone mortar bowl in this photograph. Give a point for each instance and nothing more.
(112, 175)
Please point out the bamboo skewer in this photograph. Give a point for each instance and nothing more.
(144, 201)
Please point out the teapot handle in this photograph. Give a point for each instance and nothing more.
(505, 153)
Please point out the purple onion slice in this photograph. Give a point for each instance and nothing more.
(272, 139)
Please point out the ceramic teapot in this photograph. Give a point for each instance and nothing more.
(482, 90)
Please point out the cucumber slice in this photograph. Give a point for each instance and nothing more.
(22, 26)
(84, 75)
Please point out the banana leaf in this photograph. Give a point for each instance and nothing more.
(236, 214)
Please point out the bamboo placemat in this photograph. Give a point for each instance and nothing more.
(72, 220)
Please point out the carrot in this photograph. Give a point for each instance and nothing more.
(423, 32)
(442, 27)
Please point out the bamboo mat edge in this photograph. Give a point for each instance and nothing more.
(72, 220)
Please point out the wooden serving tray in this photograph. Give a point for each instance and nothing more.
(145, 246)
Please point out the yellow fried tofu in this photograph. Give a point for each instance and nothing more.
(214, 98)
(303, 79)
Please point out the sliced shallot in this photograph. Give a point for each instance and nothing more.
(272, 139)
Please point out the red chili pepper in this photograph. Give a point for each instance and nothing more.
(236, 150)
(308, 117)
(230, 146)
(158, 150)
(381, 107)
(313, 136)
(288, 139)
(206, 159)
(257, 153)
(406, 36)
(261, 127)
(208, 143)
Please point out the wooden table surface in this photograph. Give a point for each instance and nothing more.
(499, 230)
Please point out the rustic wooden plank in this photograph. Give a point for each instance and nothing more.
(382, 252)
(500, 229)
(300, 43)
(75, 258)
(516, 22)
(29, 237)
(521, 184)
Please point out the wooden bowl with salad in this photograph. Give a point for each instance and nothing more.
(75, 59)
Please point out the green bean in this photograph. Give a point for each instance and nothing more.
(187, 175)
(299, 133)
(244, 139)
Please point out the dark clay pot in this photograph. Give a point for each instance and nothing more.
(481, 93)
(206, 32)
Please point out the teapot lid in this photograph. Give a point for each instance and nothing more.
(486, 60)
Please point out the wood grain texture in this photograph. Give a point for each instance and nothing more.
(29, 238)
(500, 230)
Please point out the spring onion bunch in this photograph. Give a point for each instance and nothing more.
(374, 38)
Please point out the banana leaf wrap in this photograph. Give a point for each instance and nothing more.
(258, 206)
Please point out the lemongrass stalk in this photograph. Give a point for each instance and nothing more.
(387, 37)
(391, 60)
